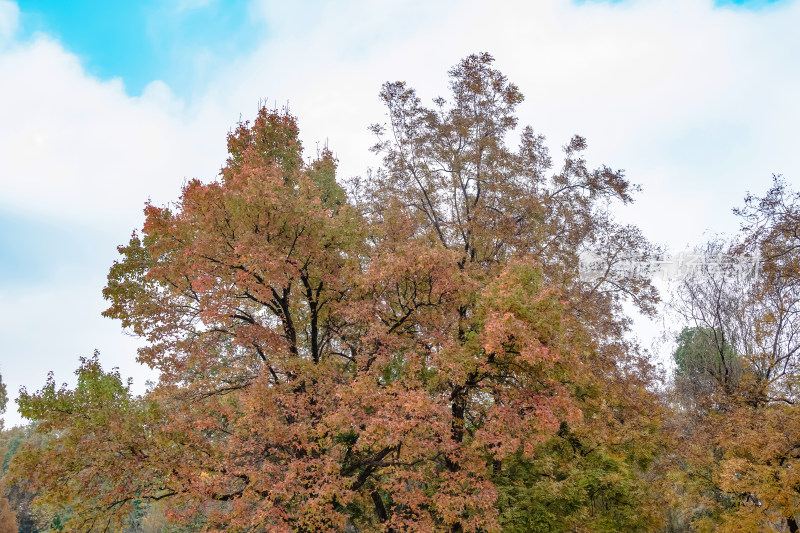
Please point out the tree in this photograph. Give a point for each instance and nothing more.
(742, 444)
(770, 232)
(19, 497)
(449, 167)
(8, 519)
(371, 365)
(705, 364)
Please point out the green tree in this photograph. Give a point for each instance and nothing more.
(705, 364)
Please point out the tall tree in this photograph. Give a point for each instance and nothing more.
(450, 169)
(370, 365)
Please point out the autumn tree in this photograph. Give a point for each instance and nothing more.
(448, 167)
(8, 519)
(743, 446)
(394, 361)
(18, 494)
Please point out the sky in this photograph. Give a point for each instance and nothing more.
(104, 105)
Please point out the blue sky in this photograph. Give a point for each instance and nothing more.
(743, 4)
(104, 105)
(178, 42)
(749, 4)
(28, 242)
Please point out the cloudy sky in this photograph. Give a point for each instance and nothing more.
(106, 104)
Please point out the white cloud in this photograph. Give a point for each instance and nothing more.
(691, 99)
(76, 147)
(640, 79)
